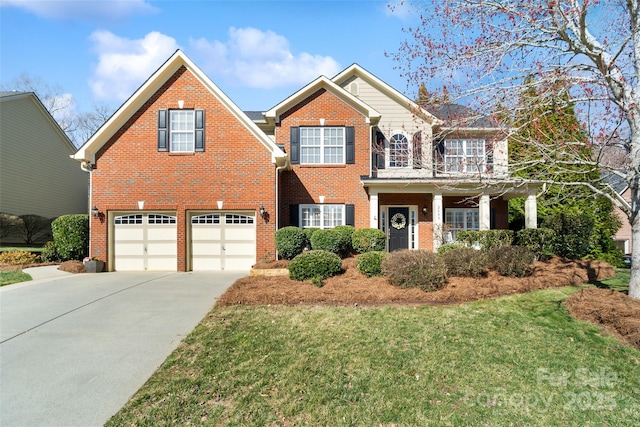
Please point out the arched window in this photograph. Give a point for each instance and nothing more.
(398, 151)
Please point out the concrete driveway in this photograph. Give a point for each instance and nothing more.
(75, 348)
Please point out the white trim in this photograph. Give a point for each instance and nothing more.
(321, 214)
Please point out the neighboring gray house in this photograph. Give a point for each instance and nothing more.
(37, 175)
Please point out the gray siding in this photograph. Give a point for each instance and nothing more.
(37, 176)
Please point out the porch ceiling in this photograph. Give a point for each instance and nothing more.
(508, 188)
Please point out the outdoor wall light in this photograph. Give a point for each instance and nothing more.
(95, 212)
(262, 211)
(424, 210)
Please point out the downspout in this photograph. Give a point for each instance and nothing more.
(277, 213)
(86, 166)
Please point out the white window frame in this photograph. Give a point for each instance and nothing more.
(466, 222)
(321, 216)
(322, 142)
(393, 152)
(469, 157)
(182, 131)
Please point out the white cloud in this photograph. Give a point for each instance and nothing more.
(93, 10)
(124, 64)
(259, 59)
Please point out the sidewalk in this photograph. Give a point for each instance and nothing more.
(45, 272)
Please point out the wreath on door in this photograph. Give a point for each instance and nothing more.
(398, 221)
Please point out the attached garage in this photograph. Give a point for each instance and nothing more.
(145, 241)
(223, 241)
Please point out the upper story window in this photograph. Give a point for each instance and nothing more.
(181, 131)
(398, 151)
(322, 145)
(464, 155)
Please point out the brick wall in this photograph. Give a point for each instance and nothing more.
(235, 168)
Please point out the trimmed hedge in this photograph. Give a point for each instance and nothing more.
(315, 265)
(370, 263)
(466, 262)
(335, 240)
(486, 238)
(290, 241)
(443, 249)
(345, 232)
(415, 268)
(71, 236)
(368, 240)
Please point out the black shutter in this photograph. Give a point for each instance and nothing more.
(350, 215)
(417, 150)
(294, 216)
(199, 142)
(489, 150)
(350, 141)
(379, 150)
(295, 145)
(163, 131)
(439, 155)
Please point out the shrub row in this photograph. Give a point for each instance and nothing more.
(343, 240)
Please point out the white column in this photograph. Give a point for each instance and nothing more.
(436, 207)
(531, 210)
(374, 208)
(485, 212)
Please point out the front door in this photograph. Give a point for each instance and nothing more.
(398, 229)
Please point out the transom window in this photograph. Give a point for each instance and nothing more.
(322, 145)
(128, 219)
(464, 155)
(182, 131)
(321, 216)
(460, 219)
(161, 219)
(398, 151)
(238, 219)
(206, 219)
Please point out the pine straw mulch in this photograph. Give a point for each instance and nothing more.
(68, 266)
(615, 311)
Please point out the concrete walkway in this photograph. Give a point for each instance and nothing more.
(75, 347)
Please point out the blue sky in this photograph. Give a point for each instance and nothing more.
(257, 52)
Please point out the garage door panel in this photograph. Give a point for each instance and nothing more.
(227, 242)
(145, 242)
(202, 249)
(240, 249)
(207, 233)
(207, 264)
(129, 249)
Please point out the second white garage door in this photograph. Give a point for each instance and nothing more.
(223, 241)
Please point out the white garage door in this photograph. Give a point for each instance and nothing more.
(223, 241)
(145, 242)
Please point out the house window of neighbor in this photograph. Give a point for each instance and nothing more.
(321, 216)
(322, 145)
(460, 220)
(398, 151)
(464, 155)
(182, 131)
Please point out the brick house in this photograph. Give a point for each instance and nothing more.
(182, 179)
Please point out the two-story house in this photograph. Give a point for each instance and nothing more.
(182, 179)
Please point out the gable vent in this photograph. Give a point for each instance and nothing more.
(354, 89)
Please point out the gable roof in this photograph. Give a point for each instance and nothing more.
(87, 152)
(322, 82)
(460, 116)
(358, 71)
(15, 95)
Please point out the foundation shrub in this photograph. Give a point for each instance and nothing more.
(337, 241)
(18, 257)
(449, 247)
(487, 239)
(415, 269)
(346, 233)
(368, 240)
(71, 236)
(290, 241)
(537, 240)
(572, 234)
(315, 265)
(370, 263)
(49, 252)
(511, 261)
(466, 262)
(309, 233)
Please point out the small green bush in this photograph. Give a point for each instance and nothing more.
(345, 232)
(290, 241)
(316, 265)
(443, 249)
(368, 240)
(329, 240)
(309, 233)
(71, 236)
(571, 234)
(487, 239)
(465, 262)
(537, 240)
(415, 268)
(370, 263)
(49, 253)
(18, 257)
(511, 261)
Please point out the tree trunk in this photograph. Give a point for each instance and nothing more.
(634, 282)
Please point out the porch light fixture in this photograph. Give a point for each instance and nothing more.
(262, 211)
(424, 210)
(95, 212)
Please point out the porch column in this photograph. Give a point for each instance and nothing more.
(436, 208)
(531, 210)
(485, 212)
(374, 208)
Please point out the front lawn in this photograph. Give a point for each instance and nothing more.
(517, 360)
(11, 277)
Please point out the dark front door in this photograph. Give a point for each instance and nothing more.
(398, 229)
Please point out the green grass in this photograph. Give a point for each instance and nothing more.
(619, 283)
(35, 249)
(518, 360)
(11, 277)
